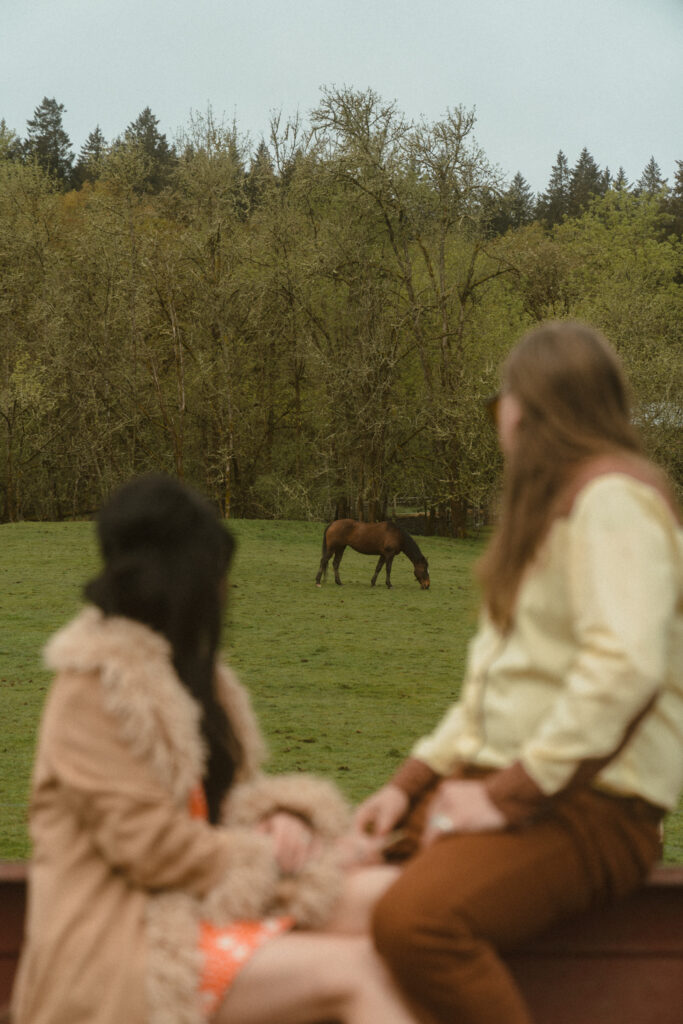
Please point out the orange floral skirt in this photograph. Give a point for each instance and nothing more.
(226, 950)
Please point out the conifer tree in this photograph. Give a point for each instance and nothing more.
(88, 165)
(553, 204)
(651, 182)
(677, 190)
(674, 201)
(621, 183)
(513, 209)
(46, 141)
(522, 201)
(10, 143)
(161, 158)
(586, 181)
(260, 175)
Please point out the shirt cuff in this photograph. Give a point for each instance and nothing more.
(515, 794)
(413, 777)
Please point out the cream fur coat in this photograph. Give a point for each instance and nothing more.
(121, 873)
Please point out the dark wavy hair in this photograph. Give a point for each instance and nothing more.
(166, 555)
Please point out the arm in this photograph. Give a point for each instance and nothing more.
(383, 810)
(128, 815)
(298, 812)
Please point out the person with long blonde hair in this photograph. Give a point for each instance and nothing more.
(541, 792)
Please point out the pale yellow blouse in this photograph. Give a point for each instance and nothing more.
(593, 666)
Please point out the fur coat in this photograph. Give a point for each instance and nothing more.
(121, 873)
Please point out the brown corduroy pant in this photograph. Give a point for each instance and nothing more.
(458, 902)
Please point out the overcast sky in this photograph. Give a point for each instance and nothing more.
(543, 75)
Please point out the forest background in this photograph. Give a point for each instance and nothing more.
(308, 328)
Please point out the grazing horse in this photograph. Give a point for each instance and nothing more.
(383, 539)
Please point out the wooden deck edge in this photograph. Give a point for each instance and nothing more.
(548, 968)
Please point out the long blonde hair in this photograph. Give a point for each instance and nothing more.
(575, 407)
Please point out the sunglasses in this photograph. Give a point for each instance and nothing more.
(491, 405)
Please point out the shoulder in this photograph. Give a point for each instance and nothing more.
(621, 498)
(91, 641)
(619, 522)
(115, 676)
(617, 484)
(74, 700)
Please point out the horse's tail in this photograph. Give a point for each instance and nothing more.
(324, 552)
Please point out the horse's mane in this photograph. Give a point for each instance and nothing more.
(408, 545)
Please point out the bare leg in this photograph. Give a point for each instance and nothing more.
(362, 889)
(307, 978)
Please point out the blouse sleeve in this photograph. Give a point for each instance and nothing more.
(436, 749)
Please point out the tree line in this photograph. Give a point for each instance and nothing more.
(308, 329)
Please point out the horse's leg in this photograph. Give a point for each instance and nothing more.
(335, 564)
(389, 559)
(379, 566)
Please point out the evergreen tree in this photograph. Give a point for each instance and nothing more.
(10, 143)
(651, 182)
(260, 176)
(522, 201)
(586, 181)
(553, 204)
(673, 203)
(677, 190)
(46, 141)
(513, 209)
(88, 165)
(620, 183)
(161, 158)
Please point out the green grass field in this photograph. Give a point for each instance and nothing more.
(343, 679)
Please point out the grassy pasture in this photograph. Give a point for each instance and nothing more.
(343, 679)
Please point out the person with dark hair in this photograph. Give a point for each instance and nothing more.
(541, 792)
(171, 882)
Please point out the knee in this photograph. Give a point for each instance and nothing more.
(412, 928)
(394, 928)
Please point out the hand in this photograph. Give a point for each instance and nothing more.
(463, 806)
(293, 840)
(377, 815)
(358, 849)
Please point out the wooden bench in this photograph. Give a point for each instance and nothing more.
(12, 908)
(621, 965)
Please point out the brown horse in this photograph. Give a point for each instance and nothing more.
(383, 539)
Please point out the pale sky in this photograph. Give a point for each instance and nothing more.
(543, 75)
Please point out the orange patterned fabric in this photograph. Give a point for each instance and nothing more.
(225, 950)
(197, 805)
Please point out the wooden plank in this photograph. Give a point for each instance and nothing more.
(12, 910)
(601, 990)
(619, 964)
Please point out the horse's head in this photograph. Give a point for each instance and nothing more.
(422, 573)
